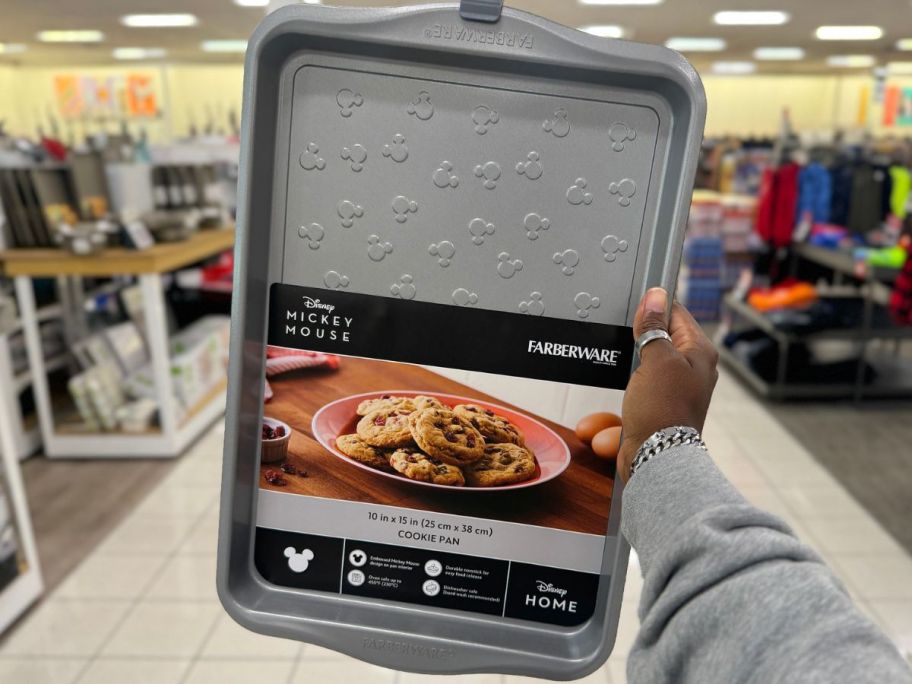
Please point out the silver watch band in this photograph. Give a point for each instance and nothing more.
(665, 439)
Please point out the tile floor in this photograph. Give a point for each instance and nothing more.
(142, 606)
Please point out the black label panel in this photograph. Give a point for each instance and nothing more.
(542, 594)
(467, 338)
(428, 578)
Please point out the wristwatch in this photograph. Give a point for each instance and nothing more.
(665, 439)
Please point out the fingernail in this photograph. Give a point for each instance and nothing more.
(656, 301)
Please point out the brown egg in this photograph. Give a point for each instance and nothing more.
(589, 426)
(607, 443)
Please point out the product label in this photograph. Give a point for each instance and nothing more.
(414, 452)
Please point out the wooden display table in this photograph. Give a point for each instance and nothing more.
(148, 266)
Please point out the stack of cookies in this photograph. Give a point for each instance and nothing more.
(423, 439)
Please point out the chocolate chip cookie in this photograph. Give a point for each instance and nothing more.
(502, 464)
(494, 428)
(418, 466)
(386, 401)
(358, 450)
(386, 428)
(446, 436)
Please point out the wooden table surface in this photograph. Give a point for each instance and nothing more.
(160, 258)
(577, 500)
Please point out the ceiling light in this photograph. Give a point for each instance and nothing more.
(779, 53)
(604, 30)
(138, 53)
(695, 44)
(731, 18)
(899, 67)
(11, 48)
(158, 20)
(849, 32)
(81, 36)
(251, 3)
(851, 61)
(904, 44)
(621, 2)
(733, 68)
(224, 45)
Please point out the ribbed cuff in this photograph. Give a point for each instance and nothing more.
(666, 491)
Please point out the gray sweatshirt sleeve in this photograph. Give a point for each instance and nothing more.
(731, 596)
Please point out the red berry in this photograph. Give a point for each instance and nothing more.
(273, 478)
(279, 431)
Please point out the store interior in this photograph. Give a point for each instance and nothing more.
(119, 146)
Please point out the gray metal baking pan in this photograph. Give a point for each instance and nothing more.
(485, 159)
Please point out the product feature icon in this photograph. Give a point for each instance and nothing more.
(433, 568)
(355, 578)
(357, 558)
(298, 562)
(431, 587)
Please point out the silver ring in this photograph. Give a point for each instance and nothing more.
(650, 336)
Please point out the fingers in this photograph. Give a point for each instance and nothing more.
(689, 339)
(652, 314)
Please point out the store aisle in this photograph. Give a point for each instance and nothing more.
(142, 607)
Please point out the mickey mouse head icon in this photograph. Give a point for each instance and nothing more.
(298, 562)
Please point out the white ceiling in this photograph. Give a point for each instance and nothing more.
(20, 20)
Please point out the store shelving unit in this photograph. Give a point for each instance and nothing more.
(148, 266)
(893, 373)
(26, 588)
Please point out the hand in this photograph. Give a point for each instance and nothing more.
(674, 382)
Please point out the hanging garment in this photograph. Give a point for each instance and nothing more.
(899, 194)
(815, 192)
(901, 297)
(866, 206)
(841, 193)
(776, 205)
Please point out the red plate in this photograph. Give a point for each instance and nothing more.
(551, 452)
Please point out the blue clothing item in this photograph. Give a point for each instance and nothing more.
(815, 192)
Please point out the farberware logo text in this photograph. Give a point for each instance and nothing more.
(608, 357)
(409, 649)
(465, 34)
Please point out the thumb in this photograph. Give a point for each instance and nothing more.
(652, 314)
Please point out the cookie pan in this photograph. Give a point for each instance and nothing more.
(487, 160)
